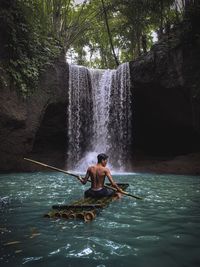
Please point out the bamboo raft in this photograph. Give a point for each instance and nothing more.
(85, 209)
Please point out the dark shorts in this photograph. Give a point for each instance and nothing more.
(104, 192)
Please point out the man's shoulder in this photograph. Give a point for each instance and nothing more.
(106, 169)
(92, 167)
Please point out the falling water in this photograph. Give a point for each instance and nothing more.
(99, 116)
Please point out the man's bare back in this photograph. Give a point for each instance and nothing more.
(97, 174)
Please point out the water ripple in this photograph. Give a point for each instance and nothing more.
(29, 259)
(126, 231)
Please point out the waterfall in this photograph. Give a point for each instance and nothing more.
(99, 116)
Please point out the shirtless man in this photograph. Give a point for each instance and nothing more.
(97, 174)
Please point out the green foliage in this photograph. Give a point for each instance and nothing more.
(35, 32)
(129, 22)
(27, 47)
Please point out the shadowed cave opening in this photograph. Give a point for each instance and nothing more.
(50, 144)
(163, 122)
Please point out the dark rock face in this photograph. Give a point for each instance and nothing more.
(35, 127)
(50, 142)
(166, 109)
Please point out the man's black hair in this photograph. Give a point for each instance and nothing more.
(101, 157)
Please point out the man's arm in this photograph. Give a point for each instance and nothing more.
(108, 174)
(85, 179)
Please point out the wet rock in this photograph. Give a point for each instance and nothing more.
(166, 105)
(166, 109)
(25, 124)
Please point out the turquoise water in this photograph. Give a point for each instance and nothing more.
(161, 230)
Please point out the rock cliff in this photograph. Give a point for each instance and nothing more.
(35, 126)
(166, 105)
(166, 97)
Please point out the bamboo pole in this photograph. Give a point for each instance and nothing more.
(78, 177)
(53, 168)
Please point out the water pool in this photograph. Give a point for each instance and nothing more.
(161, 230)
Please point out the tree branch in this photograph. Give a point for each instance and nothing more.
(109, 33)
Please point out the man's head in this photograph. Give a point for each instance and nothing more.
(102, 158)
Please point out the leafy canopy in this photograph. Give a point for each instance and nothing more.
(95, 33)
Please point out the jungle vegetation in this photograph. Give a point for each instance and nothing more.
(94, 33)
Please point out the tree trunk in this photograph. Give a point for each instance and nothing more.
(161, 17)
(57, 17)
(109, 33)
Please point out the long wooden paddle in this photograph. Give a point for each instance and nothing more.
(77, 176)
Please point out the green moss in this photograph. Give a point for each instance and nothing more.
(26, 48)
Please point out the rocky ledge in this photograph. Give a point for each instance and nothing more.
(181, 165)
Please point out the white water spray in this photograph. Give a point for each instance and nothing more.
(99, 116)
